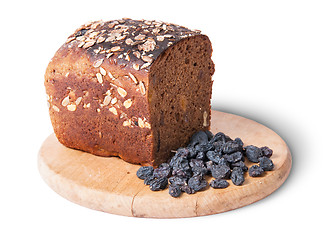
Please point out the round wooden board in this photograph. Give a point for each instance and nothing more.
(111, 185)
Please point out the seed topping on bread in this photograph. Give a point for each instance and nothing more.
(125, 38)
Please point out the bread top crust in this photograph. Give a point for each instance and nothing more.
(134, 43)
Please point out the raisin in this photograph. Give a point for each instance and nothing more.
(218, 147)
(211, 155)
(182, 153)
(192, 153)
(187, 189)
(231, 147)
(158, 184)
(239, 141)
(253, 153)
(266, 152)
(216, 158)
(209, 134)
(201, 155)
(149, 179)
(197, 183)
(198, 167)
(182, 173)
(234, 157)
(237, 176)
(163, 170)
(220, 137)
(219, 183)
(204, 147)
(221, 162)
(266, 163)
(175, 180)
(180, 164)
(174, 190)
(209, 165)
(199, 137)
(240, 164)
(220, 172)
(144, 172)
(255, 171)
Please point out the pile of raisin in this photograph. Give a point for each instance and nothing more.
(217, 156)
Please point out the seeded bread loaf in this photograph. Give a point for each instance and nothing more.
(129, 88)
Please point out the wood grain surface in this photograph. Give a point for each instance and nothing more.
(110, 185)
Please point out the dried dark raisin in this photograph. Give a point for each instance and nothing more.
(253, 153)
(234, 157)
(144, 172)
(182, 173)
(266, 151)
(219, 183)
(149, 179)
(201, 156)
(198, 167)
(237, 176)
(239, 141)
(240, 164)
(175, 180)
(211, 155)
(266, 163)
(174, 190)
(220, 137)
(220, 172)
(158, 184)
(231, 147)
(255, 171)
(209, 134)
(197, 183)
(204, 147)
(163, 170)
(199, 137)
(187, 189)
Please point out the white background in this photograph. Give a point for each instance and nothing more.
(271, 62)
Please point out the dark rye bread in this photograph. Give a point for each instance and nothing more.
(128, 88)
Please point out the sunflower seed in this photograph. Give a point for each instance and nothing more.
(71, 107)
(89, 44)
(101, 39)
(136, 66)
(142, 88)
(70, 39)
(99, 78)
(127, 123)
(102, 71)
(113, 110)
(127, 103)
(147, 59)
(78, 100)
(114, 100)
(140, 37)
(98, 63)
(107, 100)
(55, 108)
(121, 91)
(115, 49)
(141, 123)
(134, 79)
(65, 101)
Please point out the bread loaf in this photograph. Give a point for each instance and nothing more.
(135, 89)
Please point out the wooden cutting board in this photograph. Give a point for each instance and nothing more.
(110, 185)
